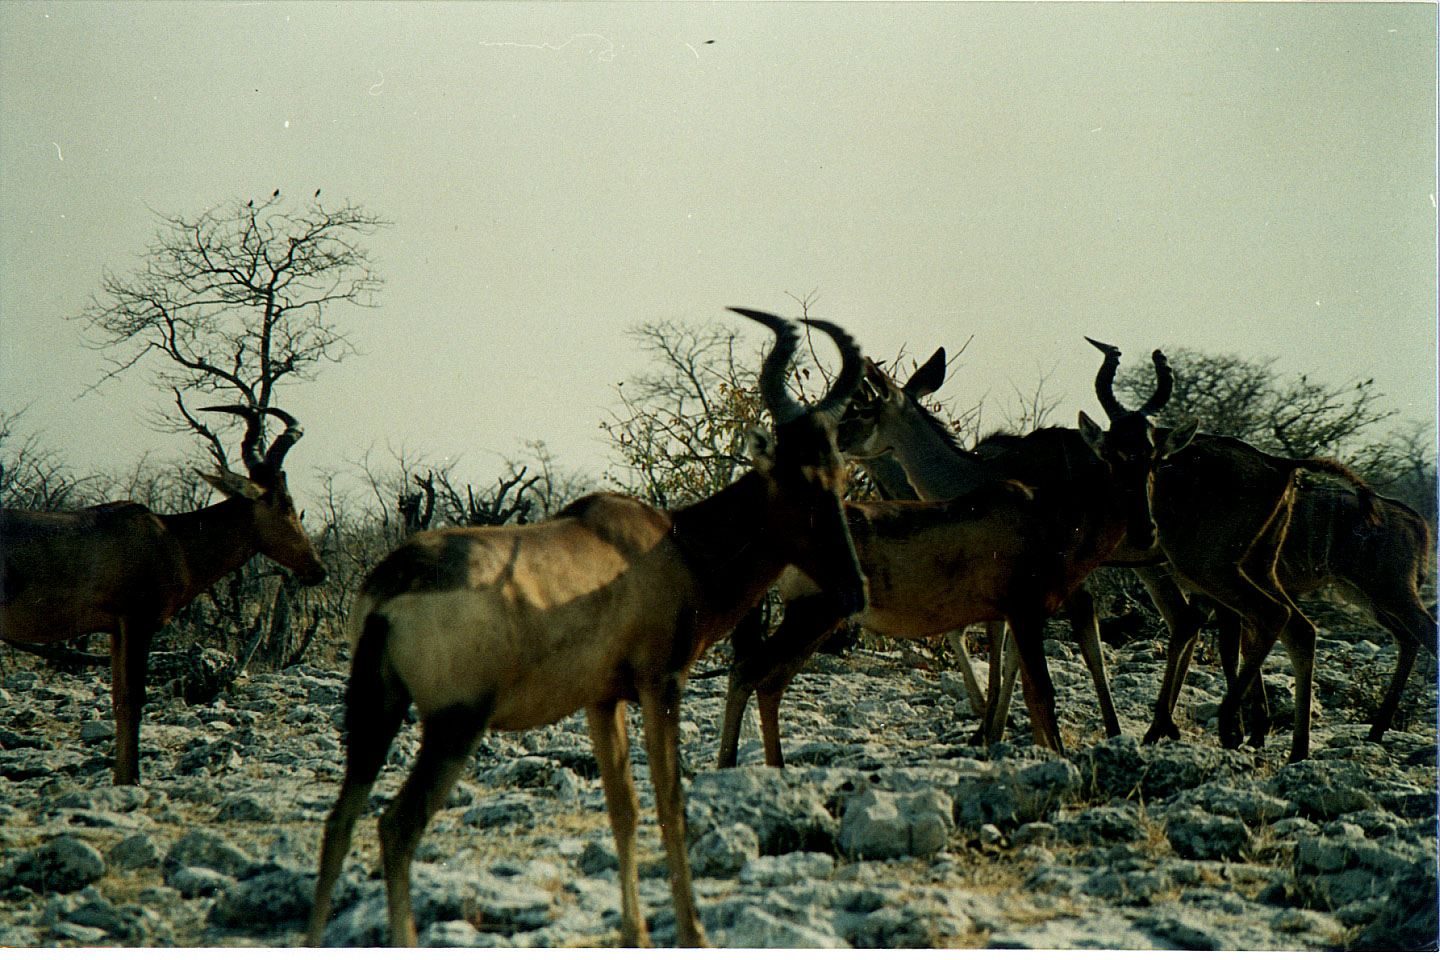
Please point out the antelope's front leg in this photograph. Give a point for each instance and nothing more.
(1184, 623)
(660, 705)
(737, 695)
(1028, 633)
(612, 753)
(1085, 627)
(978, 699)
(129, 658)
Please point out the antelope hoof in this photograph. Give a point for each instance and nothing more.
(1230, 733)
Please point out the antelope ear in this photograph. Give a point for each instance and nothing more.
(761, 448)
(233, 485)
(928, 378)
(1093, 436)
(1177, 439)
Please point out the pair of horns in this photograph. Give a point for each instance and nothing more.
(1105, 382)
(782, 406)
(268, 463)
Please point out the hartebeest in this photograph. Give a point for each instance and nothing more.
(609, 601)
(120, 568)
(1220, 511)
(995, 553)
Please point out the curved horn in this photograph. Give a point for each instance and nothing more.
(852, 368)
(1164, 383)
(250, 446)
(1105, 380)
(282, 444)
(773, 394)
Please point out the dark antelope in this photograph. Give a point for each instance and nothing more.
(121, 569)
(1379, 566)
(609, 601)
(885, 429)
(1220, 509)
(994, 553)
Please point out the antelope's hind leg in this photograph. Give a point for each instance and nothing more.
(1183, 621)
(978, 697)
(1412, 626)
(375, 705)
(768, 669)
(1085, 628)
(1004, 666)
(447, 740)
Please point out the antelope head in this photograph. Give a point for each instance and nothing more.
(276, 524)
(803, 470)
(878, 402)
(1133, 446)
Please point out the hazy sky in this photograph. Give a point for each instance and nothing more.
(1254, 178)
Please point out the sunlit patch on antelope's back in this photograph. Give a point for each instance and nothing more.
(528, 642)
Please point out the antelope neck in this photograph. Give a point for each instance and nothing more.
(215, 541)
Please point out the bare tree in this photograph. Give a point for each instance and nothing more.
(1247, 399)
(1299, 416)
(1033, 408)
(680, 431)
(234, 301)
(555, 486)
(507, 501)
(33, 476)
(229, 305)
(679, 434)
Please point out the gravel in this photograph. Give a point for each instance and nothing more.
(886, 829)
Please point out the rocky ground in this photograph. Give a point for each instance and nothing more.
(886, 830)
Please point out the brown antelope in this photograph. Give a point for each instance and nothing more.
(888, 478)
(1378, 567)
(609, 601)
(1220, 511)
(883, 417)
(994, 553)
(121, 569)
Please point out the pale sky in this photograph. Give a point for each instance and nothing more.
(1249, 178)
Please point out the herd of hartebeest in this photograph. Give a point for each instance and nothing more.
(612, 600)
